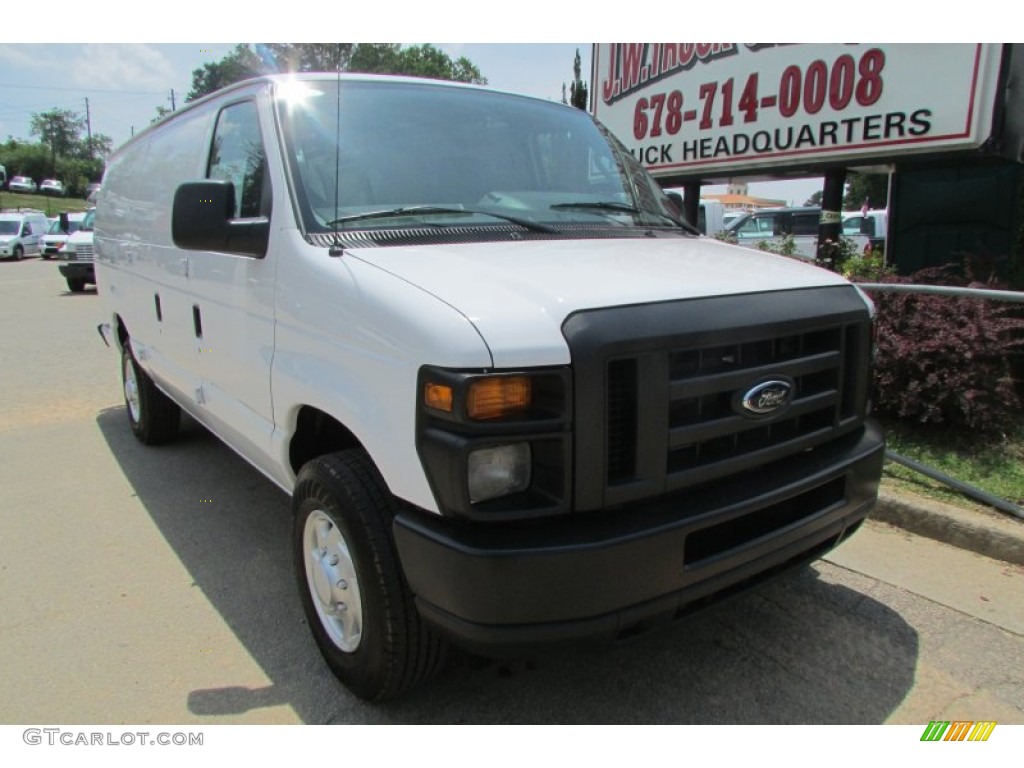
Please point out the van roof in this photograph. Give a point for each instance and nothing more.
(342, 77)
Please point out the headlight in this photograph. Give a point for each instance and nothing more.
(498, 471)
(496, 444)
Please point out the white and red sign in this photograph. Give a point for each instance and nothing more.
(732, 109)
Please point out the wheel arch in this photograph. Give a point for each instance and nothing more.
(317, 433)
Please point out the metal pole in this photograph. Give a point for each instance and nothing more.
(691, 201)
(830, 223)
(945, 290)
(968, 490)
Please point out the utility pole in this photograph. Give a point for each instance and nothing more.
(88, 129)
(173, 107)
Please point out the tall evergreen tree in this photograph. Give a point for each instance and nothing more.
(578, 90)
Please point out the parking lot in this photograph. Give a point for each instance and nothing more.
(155, 586)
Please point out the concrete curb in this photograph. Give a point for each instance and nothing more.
(990, 534)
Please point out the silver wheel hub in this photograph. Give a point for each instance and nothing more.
(131, 389)
(332, 582)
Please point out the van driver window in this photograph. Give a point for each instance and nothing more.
(238, 156)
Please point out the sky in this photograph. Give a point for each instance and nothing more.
(124, 82)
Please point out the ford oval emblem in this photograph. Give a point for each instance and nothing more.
(768, 397)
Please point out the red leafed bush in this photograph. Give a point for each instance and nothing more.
(949, 360)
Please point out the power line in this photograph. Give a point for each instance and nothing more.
(90, 90)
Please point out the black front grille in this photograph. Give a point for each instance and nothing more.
(704, 426)
(669, 379)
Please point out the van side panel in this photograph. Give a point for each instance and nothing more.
(133, 229)
(350, 340)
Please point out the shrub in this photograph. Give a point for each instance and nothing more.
(867, 268)
(948, 360)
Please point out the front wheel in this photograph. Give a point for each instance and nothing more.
(352, 588)
(76, 285)
(19, 253)
(154, 417)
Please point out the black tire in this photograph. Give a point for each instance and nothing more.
(19, 253)
(343, 511)
(76, 285)
(154, 417)
(46, 256)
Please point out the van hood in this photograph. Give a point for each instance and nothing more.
(518, 294)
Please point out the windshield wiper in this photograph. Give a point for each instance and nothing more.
(415, 210)
(611, 205)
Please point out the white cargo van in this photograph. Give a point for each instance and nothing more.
(513, 400)
(21, 233)
(873, 224)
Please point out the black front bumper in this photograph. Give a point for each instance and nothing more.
(500, 587)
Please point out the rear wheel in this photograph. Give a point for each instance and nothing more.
(76, 285)
(154, 417)
(352, 588)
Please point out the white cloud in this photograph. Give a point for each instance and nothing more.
(132, 67)
(25, 58)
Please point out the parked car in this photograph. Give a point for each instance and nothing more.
(76, 257)
(52, 187)
(21, 233)
(772, 225)
(60, 230)
(873, 224)
(22, 184)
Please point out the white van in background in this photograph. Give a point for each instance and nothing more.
(512, 399)
(21, 233)
(60, 230)
(77, 257)
(872, 224)
(710, 213)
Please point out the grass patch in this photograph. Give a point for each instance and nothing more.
(51, 206)
(993, 464)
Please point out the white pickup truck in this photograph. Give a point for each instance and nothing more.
(513, 399)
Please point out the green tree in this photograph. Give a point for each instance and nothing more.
(246, 61)
(60, 130)
(161, 113)
(375, 58)
(241, 64)
(98, 147)
(578, 89)
(870, 187)
(815, 199)
(22, 158)
(304, 57)
(428, 61)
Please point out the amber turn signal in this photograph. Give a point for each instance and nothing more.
(498, 397)
(438, 396)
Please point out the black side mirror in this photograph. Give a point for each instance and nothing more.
(202, 220)
(64, 225)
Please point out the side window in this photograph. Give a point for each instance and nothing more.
(805, 224)
(238, 156)
(853, 225)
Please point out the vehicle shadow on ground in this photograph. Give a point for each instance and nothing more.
(799, 650)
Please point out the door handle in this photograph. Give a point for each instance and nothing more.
(197, 321)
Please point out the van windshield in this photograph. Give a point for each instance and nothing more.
(56, 229)
(9, 227)
(415, 154)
